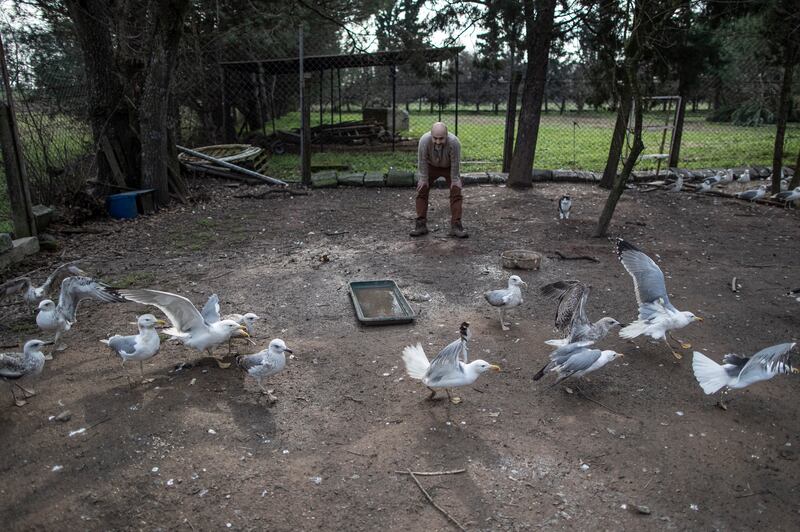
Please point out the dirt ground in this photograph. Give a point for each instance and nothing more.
(201, 449)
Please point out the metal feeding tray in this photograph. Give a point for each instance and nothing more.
(380, 303)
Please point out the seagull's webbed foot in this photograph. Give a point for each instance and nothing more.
(454, 400)
(432, 396)
(25, 391)
(684, 345)
(18, 402)
(672, 350)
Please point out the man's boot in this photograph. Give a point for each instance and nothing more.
(457, 230)
(420, 228)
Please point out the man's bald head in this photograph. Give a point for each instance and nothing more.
(439, 133)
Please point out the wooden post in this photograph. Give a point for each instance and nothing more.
(305, 117)
(16, 178)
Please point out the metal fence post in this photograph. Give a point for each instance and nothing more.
(305, 119)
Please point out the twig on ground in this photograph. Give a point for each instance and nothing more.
(577, 257)
(353, 399)
(433, 503)
(265, 193)
(361, 454)
(432, 473)
(336, 233)
(98, 423)
(595, 401)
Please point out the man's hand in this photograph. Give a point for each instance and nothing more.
(456, 183)
(423, 182)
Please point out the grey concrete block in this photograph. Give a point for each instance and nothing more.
(22, 247)
(537, 174)
(475, 178)
(399, 178)
(42, 214)
(324, 179)
(5, 242)
(352, 179)
(374, 179)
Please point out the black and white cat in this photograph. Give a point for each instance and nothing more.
(564, 205)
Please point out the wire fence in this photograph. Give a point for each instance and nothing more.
(238, 96)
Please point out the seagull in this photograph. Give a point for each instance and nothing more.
(744, 176)
(60, 318)
(576, 360)
(210, 314)
(141, 346)
(706, 185)
(677, 185)
(753, 194)
(564, 205)
(265, 364)
(738, 371)
(506, 298)
(571, 318)
(188, 325)
(788, 196)
(18, 367)
(726, 176)
(450, 367)
(31, 294)
(657, 316)
(795, 293)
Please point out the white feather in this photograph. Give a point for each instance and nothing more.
(557, 342)
(711, 376)
(417, 363)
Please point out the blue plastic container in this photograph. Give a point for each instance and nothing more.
(122, 205)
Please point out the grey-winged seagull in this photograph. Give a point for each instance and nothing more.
(211, 314)
(265, 364)
(32, 294)
(571, 319)
(60, 318)
(138, 347)
(506, 298)
(449, 369)
(16, 368)
(576, 360)
(657, 316)
(753, 194)
(188, 325)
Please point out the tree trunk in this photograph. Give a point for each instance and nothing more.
(165, 35)
(539, 35)
(677, 134)
(511, 119)
(617, 138)
(795, 182)
(112, 113)
(780, 119)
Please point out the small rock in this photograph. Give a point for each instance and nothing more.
(645, 510)
(316, 480)
(66, 415)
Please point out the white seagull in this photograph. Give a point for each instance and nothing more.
(265, 364)
(788, 196)
(188, 325)
(744, 176)
(576, 360)
(657, 316)
(32, 294)
(16, 368)
(211, 314)
(139, 347)
(506, 298)
(448, 369)
(571, 318)
(753, 194)
(737, 371)
(677, 185)
(60, 318)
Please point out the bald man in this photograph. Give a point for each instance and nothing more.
(439, 155)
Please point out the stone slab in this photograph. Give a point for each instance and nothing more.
(374, 179)
(352, 179)
(324, 179)
(6, 243)
(22, 247)
(399, 178)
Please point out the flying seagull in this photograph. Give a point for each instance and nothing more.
(60, 318)
(571, 319)
(16, 368)
(448, 369)
(738, 371)
(576, 360)
(506, 298)
(32, 294)
(142, 346)
(265, 364)
(188, 325)
(657, 316)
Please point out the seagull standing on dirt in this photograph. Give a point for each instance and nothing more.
(706, 185)
(31, 294)
(677, 185)
(16, 368)
(449, 369)
(142, 346)
(726, 176)
(788, 196)
(657, 316)
(564, 205)
(60, 318)
(753, 194)
(576, 360)
(571, 318)
(744, 177)
(737, 371)
(188, 325)
(506, 298)
(265, 364)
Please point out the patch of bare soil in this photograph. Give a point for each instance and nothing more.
(200, 448)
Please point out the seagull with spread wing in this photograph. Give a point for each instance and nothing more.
(211, 314)
(657, 316)
(506, 298)
(576, 360)
(188, 324)
(738, 371)
(265, 363)
(448, 369)
(16, 368)
(60, 318)
(32, 294)
(138, 347)
(571, 319)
